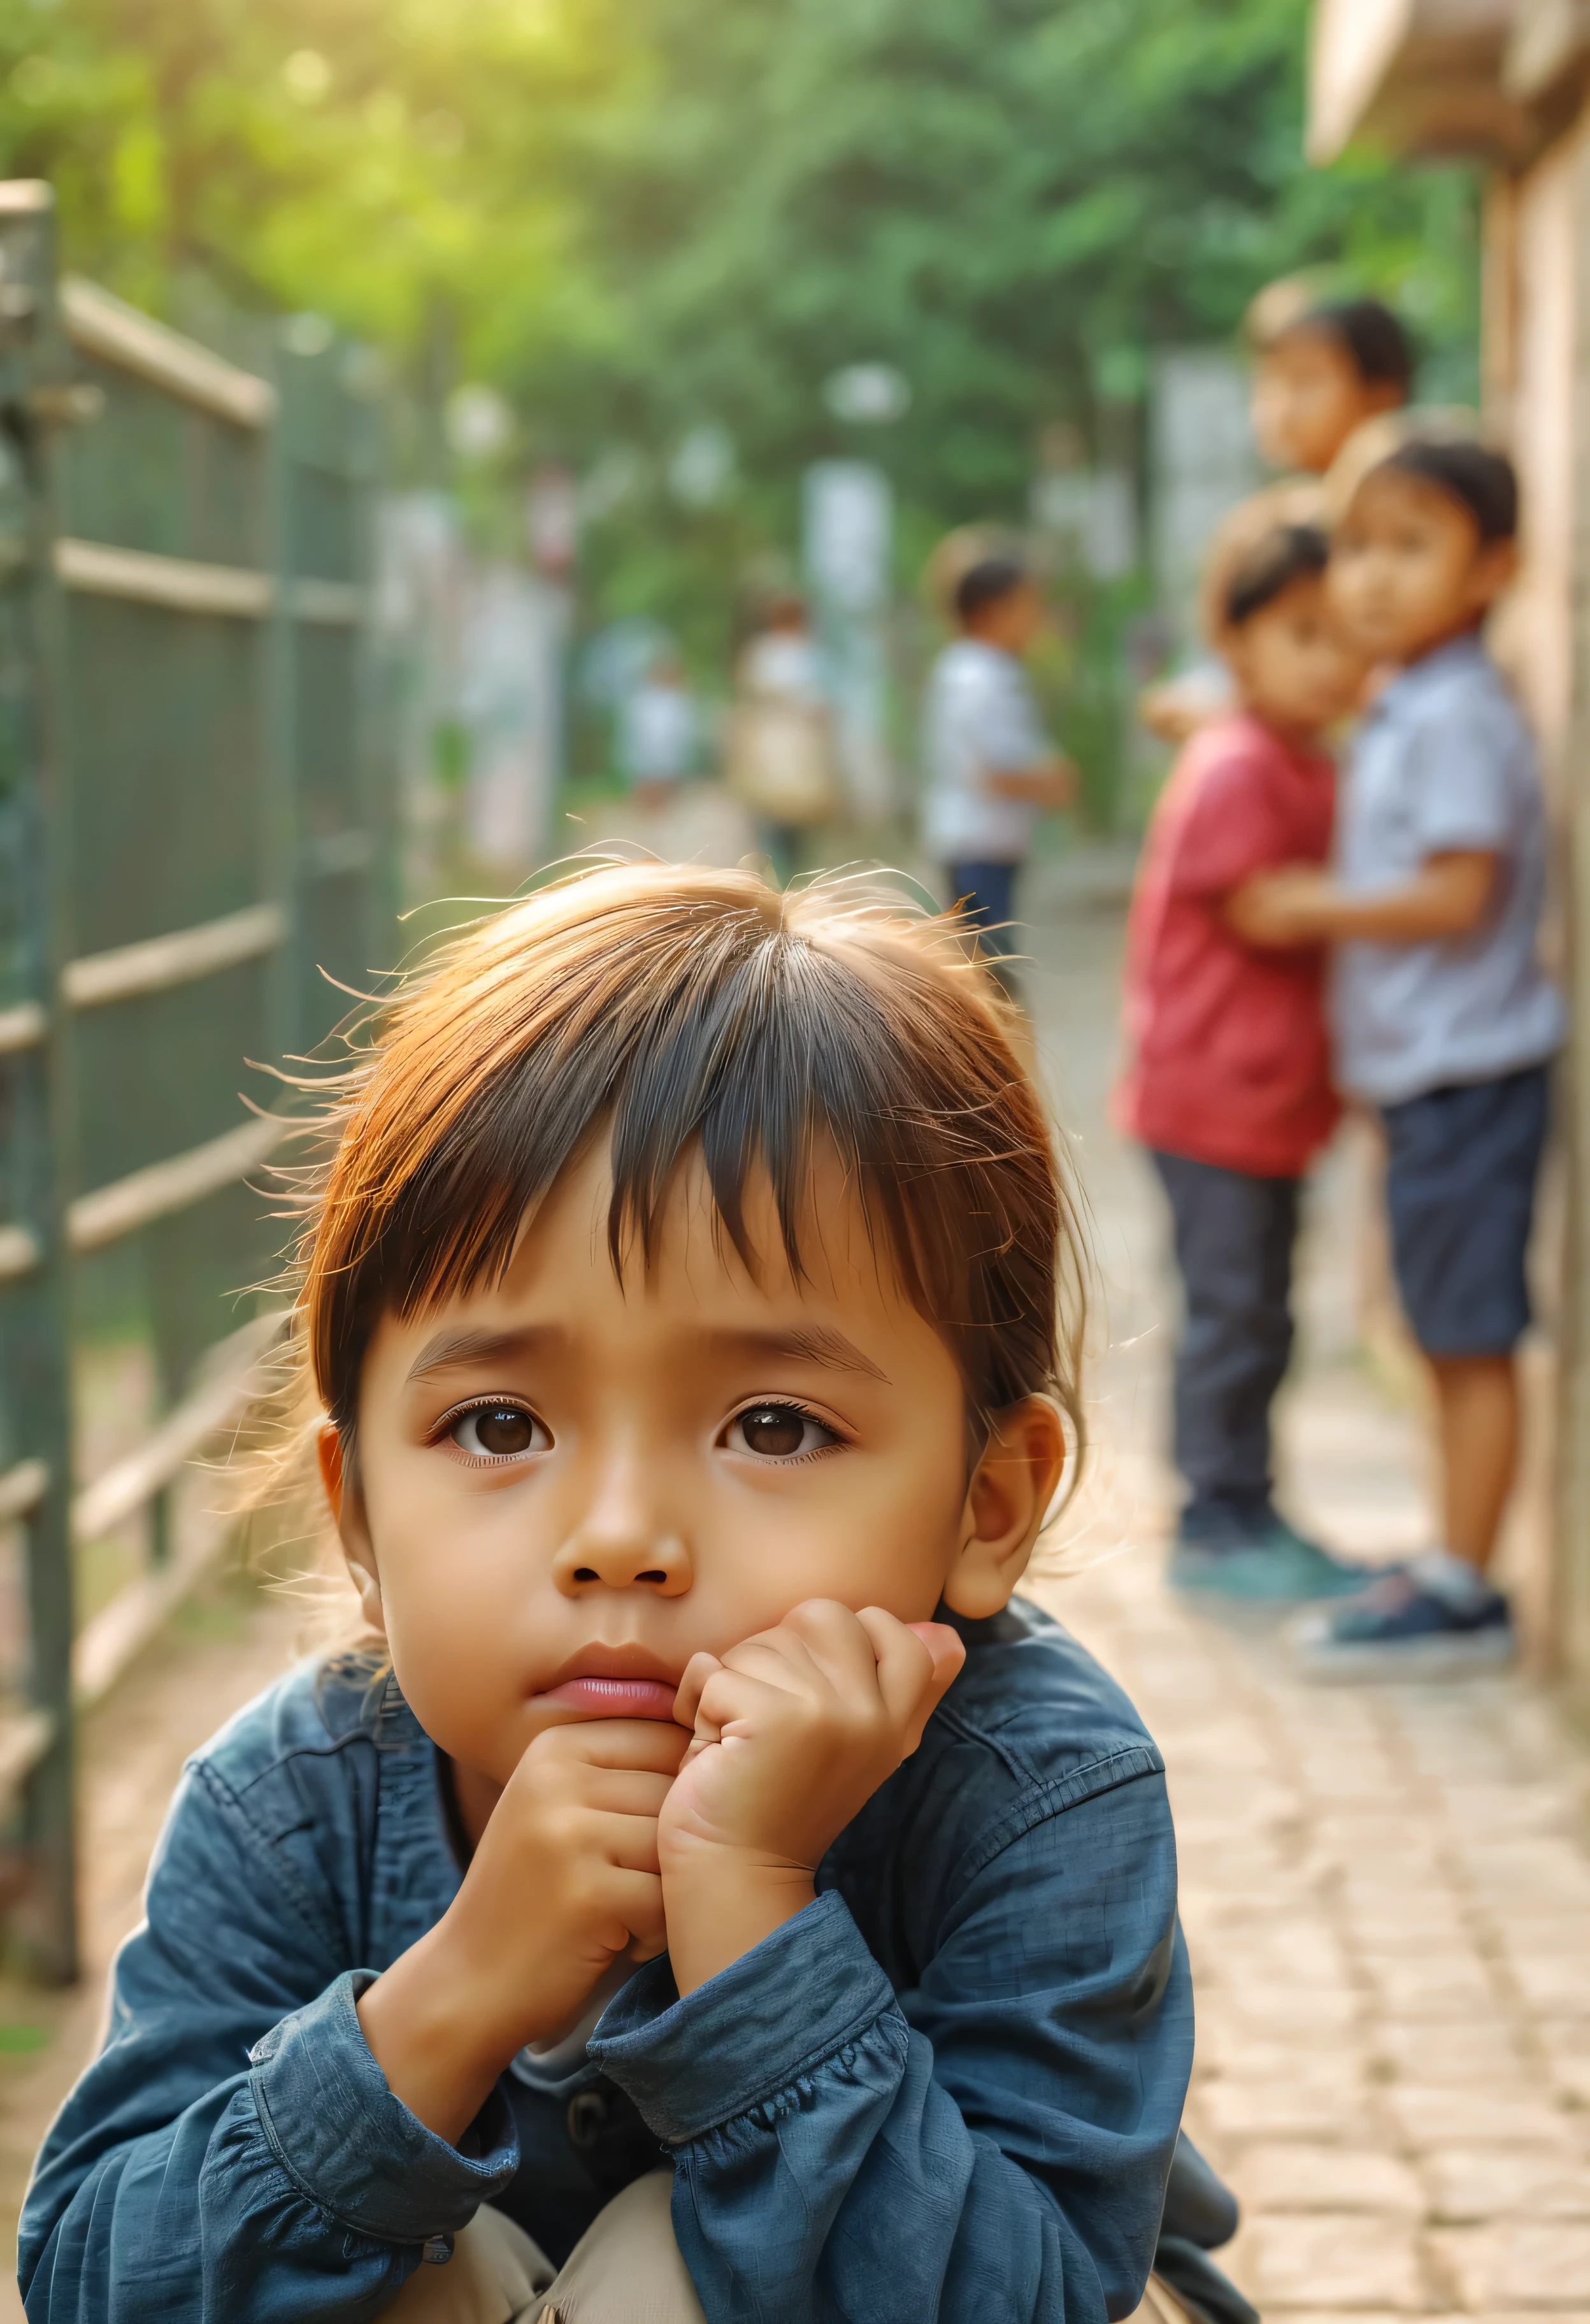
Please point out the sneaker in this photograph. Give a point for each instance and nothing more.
(1278, 1566)
(1399, 1628)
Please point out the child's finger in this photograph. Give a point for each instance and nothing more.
(915, 1662)
(738, 1700)
(628, 1842)
(947, 1648)
(638, 1899)
(837, 1643)
(687, 1701)
(626, 1791)
(636, 1744)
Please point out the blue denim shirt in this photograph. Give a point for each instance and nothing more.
(949, 2089)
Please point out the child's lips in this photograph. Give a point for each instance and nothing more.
(616, 1698)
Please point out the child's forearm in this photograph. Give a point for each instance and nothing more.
(1052, 784)
(432, 2029)
(1447, 897)
(720, 1905)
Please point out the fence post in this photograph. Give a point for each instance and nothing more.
(38, 1334)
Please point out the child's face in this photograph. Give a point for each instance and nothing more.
(1293, 666)
(572, 1478)
(1407, 567)
(1309, 396)
(1011, 621)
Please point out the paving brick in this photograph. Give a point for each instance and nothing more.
(1385, 2316)
(1231, 2051)
(1499, 2182)
(1505, 1809)
(1520, 2264)
(1570, 2079)
(1554, 1986)
(1428, 1983)
(1286, 2107)
(1413, 1922)
(1430, 2118)
(1524, 2316)
(1301, 1953)
(1536, 1928)
(1554, 1870)
(1482, 2052)
(1331, 2260)
(1300, 2011)
(1384, 1828)
(1284, 2177)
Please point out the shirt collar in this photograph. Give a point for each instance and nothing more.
(1457, 653)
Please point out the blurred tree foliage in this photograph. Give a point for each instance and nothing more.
(642, 216)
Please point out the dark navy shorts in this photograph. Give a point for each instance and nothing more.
(985, 893)
(1460, 1190)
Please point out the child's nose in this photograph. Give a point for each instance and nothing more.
(622, 1542)
(601, 1562)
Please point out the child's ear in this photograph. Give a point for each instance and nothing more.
(347, 1511)
(1006, 1502)
(1495, 569)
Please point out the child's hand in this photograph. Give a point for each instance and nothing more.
(794, 1730)
(566, 1880)
(1288, 905)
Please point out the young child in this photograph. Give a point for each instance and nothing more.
(1228, 1083)
(1445, 1021)
(687, 1431)
(1322, 370)
(660, 732)
(992, 770)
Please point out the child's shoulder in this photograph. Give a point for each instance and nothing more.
(316, 1710)
(1232, 768)
(1240, 748)
(1047, 1709)
(1457, 691)
(1032, 1731)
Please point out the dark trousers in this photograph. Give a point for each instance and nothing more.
(985, 893)
(1233, 1242)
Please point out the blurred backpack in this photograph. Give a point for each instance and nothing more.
(779, 757)
(780, 761)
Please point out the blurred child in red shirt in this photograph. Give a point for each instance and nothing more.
(1228, 1081)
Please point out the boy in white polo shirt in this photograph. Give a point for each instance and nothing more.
(1445, 1021)
(992, 769)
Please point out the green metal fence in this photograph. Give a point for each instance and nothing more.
(193, 828)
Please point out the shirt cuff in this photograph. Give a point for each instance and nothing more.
(354, 2149)
(736, 2042)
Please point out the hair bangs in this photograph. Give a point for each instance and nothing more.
(687, 1016)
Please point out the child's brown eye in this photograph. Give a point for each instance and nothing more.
(777, 1432)
(497, 1432)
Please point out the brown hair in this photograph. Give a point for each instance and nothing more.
(677, 1011)
(1243, 531)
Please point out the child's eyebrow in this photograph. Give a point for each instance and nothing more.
(814, 1343)
(454, 1350)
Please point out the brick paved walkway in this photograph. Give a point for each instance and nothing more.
(1386, 1893)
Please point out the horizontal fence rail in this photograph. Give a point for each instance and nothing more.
(103, 325)
(159, 962)
(179, 584)
(21, 1251)
(161, 1188)
(182, 586)
(22, 1489)
(22, 1027)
